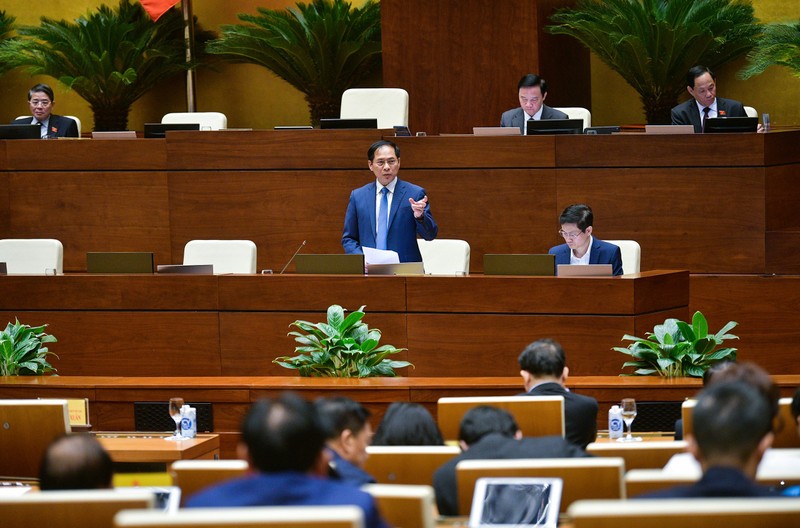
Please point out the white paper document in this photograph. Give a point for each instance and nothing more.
(380, 256)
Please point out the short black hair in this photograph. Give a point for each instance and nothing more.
(757, 378)
(695, 72)
(483, 420)
(796, 404)
(382, 143)
(530, 80)
(730, 419)
(75, 462)
(283, 434)
(578, 214)
(339, 414)
(45, 88)
(405, 424)
(544, 357)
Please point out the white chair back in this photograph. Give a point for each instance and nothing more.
(750, 111)
(32, 256)
(388, 105)
(249, 517)
(227, 256)
(444, 256)
(577, 112)
(631, 255)
(404, 505)
(215, 120)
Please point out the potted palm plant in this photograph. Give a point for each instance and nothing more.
(22, 352)
(342, 347)
(6, 25)
(321, 48)
(779, 46)
(110, 57)
(653, 44)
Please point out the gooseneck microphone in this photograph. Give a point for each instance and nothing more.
(293, 256)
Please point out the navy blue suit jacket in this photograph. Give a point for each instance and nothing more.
(602, 253)
(59, 126)
(359, 221)
(516, 116)
(716, 482)
(687, 113)
(286, 489)
(580, 412)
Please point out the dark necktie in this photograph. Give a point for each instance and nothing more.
(705, 117)
(382, 220)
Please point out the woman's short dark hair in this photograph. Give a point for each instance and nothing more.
(407, 424)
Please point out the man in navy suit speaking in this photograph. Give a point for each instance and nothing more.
(388, 213)
(581, 247)
(42, 100)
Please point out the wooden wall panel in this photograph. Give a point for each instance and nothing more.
(86, 155)
(91, 211)
(5, 203)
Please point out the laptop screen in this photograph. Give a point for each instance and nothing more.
(520, 264)
(516, 502)
(555, 126)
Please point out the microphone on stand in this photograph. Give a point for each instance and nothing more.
(293, 256)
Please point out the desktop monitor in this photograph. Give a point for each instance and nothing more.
(159, 130)
(20, 132)
(335, 123)
(555, 126)
(730, 124)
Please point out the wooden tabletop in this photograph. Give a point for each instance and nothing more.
(148, 447)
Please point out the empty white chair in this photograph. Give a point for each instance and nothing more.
(388, 105)
(227, 256)
(32, 256)
(750, 111)
(444, 256)
(215, 120)
(631, 255)
(577, 112)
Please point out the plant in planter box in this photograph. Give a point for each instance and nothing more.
(675, 348)
(21, 350)
(342, 347)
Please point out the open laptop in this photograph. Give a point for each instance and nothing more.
(585, 270)
(496, 131)
(185, 269)
(20, 132)
(335, 264)
(159, 130)
(334, 123)
(516, 501)
(668, 129)
(114, 134)
(397, 268)
(730, 124)
(554, 126)
(119, 262)
(521, 264)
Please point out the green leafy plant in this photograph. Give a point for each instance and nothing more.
(321, 48)
(342, 347)
(21, 350)
(676, 348)
(653, 43)
(111, 57)
(779, 46)
(6, 25)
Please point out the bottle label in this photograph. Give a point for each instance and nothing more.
(615, 425)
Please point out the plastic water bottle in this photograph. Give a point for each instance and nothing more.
(188, 422)
(615, 422)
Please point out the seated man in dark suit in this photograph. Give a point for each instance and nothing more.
(701, 83)
(581, 247)
(532, 91)
(544, 372)
(492, 433)
(42, 101)
(284, 442)
(348, 433)
(75, 462)
(732, 428)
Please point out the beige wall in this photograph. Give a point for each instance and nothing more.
(253, 97)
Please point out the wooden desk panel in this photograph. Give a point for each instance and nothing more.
(448, 152)
(147, 448)
(86, 155)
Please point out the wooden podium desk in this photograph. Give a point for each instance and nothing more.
(153, 448)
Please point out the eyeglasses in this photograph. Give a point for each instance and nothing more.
(390, 162)
(40, 102)
(570, 235)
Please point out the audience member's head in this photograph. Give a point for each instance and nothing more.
(407, 424)
(753, 375)
(543, 360)
(796, 409)
(732, 424)
(484, 420)
(284, 434)
(75, 462)
(347, 427)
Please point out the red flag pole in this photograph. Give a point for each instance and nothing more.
(188, 36)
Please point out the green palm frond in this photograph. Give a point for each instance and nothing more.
(779, 46)
(111, 57)
(6, 26)
(321, 48)
(653, 43)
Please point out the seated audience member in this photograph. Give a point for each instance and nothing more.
(283, 440)
(407, 424)
(348, 433)
(732, 428)
(75, 462)
(492, 433)
(42, 100)
(532, 91)
(544, 373)
(581, 247)
(794, 491)
(701, 83)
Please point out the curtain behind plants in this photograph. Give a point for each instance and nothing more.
(653, 43)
